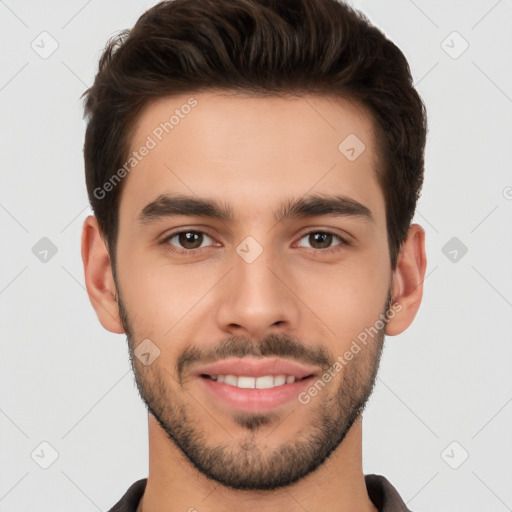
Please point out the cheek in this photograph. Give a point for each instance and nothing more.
(142, 287)
(347, 298)
(161, 299)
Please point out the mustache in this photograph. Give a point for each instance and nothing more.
(277, 345)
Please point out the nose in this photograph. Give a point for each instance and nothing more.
(257, 298)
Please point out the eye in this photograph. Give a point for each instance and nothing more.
(322, 240)
(188, 240)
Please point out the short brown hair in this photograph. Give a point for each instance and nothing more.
(262, 47)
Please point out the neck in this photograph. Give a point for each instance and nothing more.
(174, 484)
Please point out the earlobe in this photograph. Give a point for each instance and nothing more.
(407, 283)
(99, 279)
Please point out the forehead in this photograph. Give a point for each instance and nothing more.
(251, 150)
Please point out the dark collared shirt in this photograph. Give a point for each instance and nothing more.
(384, 496)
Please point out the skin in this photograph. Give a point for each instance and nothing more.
(252, 154)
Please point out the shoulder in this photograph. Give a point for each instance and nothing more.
(384, 496)
(130, 500)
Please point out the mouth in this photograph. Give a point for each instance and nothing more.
(248, 382)
(254, 384)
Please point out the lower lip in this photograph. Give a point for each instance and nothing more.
(252, 399)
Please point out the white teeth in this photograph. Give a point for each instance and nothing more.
(279, 380)
(265, 382)
(245, 382)
(231, 380)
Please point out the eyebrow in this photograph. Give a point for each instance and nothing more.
(166, 205)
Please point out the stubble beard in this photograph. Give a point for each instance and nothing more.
(248, 463)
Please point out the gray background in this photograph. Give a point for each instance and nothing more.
(444, 392)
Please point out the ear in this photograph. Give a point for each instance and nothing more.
(407, 282)
(99, 279)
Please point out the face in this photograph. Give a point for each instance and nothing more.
(252, 257)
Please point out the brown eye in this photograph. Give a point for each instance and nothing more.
(188, 239)
(321, 240)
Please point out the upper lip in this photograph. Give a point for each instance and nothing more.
(256, 367)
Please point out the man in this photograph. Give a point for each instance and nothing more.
(254, 166)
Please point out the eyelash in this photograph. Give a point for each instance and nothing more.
(193, 252)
